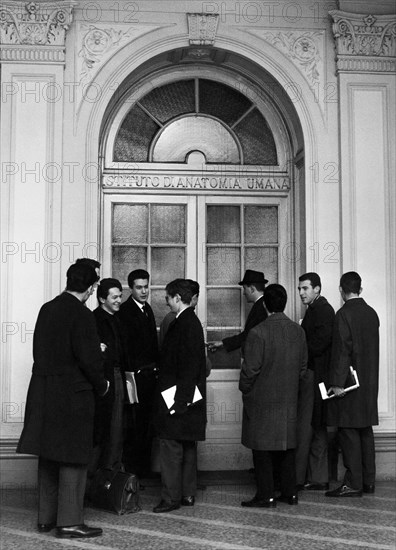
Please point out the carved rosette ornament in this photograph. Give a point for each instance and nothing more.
(364, 42)
(34, 31)
(97, 45)
(303, 49)
(202, 28)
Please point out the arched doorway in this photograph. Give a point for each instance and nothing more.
(199, 181)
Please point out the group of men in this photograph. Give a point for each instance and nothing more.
(77, 394)
(80, 416)
(285, 417)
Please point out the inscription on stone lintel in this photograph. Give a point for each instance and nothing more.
(253, 183)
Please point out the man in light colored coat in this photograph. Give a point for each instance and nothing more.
(275, 360)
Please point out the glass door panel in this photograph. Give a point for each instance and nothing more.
(163, 234)
(150, 233)
(235, 234)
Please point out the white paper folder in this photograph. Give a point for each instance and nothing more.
(355, 384)
(169, 396)
(131, 387)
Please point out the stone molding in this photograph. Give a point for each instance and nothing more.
(34, 31)
(364, 43)
(202, 28)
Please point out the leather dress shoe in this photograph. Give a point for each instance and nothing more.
(165, 506)
(78, 531)
(259, 503)
(300, 487)
(344, 491)
(370, 488)
(288, 500)
(188, 501)
(45, 527)
(316, 486)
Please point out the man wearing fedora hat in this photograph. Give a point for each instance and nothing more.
(253, 283)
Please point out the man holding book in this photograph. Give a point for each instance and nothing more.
(312, 449)
(180, 425)
(355, 344)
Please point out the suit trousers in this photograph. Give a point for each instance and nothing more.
(264, 464)
(304, 425)
(358, 453)
(138, 426)
(61, 490)
(318, 464)
(178, 460)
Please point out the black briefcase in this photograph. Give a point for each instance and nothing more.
(115, 491)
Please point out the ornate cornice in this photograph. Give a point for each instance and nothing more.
(202, 28)
(34, 31)
(364, 43)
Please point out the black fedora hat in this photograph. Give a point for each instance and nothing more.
(251, 277)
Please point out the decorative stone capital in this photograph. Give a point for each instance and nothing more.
(26, 26)
(202, 28)
(360, 36)
(35, 23)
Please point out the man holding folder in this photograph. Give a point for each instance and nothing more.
(356, 344)
(180, 425)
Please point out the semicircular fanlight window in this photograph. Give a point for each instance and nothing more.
(173, 120)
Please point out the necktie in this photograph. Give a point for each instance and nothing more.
(144, 309)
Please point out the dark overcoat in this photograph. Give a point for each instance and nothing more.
(142, 341)
(275, 359)
(183, 364)
(111, 332)
(68, 367)
(257, 314)
(356, 344)
(318, 325)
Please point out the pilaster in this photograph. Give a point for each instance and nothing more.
(366, 64)
(32, 37)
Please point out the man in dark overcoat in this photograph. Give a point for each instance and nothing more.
(253, 283)
(137, 316)
(312, 449)
(58, 427)
(275, 360)
(179, 427)
(356, 344)
(109, 410)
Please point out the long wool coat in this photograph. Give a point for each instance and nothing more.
(67, 368)
(318, 325)
(275, 359)
(356, 344)
(183, 364)
(257, 314)
(111, 333)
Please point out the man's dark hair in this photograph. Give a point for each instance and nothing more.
(275, 298)
(351, 282)
(137, 274)
(260, 287)
(181, 287)
(194, 287)
(313, 278)
(89, 261)
(80, 277)
(105, 285)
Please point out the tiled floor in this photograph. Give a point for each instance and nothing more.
(218, 521)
